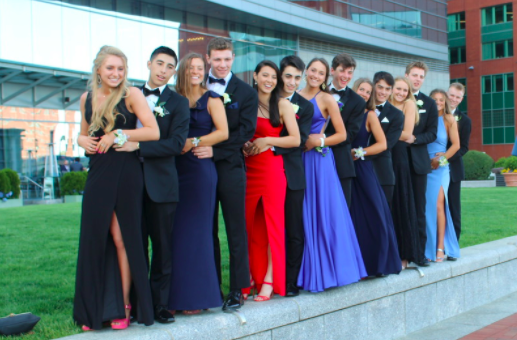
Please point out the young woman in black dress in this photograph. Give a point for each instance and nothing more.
(112, 201)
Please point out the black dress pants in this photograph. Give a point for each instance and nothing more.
(346, 185)
(454, 196)
(419, 183)
(295, 233)
(158, 220)
(231, 192)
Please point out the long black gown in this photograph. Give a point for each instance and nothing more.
(114, 184)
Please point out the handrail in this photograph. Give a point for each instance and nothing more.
(33, 182)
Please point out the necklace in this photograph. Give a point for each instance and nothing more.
(261, 112)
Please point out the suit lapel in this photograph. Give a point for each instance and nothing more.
(384, 111)
(232, 85)
(166, 93)
(344, 98)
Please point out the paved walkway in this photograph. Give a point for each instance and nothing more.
(493, 321)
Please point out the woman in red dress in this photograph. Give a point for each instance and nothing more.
(266, 184)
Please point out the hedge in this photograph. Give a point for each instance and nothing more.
(5, 185)
(478, 165)
(72, 183)
(14, 180)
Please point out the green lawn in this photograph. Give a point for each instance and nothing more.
(38, 253)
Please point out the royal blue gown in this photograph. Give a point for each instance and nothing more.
(194, 283)
(331, 255)
(371, 215)
(436, 179)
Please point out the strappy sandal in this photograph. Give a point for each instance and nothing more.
(121, 323)
(440, 259)
(261, 298)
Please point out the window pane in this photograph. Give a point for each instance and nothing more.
(509, 12)
(499, 14)
(498, 135)
(487, 101)
(487, 119)
(497, 118)
(509, 135)
(497, 100)
(487, 51)
(498, 80)
(509, 82)
(508, 99)
(463, 54)
(509, 117)
(487, 81)
(462, 21)
(487, 136)
(488, 16)
(510, 48)
(454, 56)
(499, 49)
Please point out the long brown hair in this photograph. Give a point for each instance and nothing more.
(183, 82)
(370, 104)
(103, 115)
(410, 99)
(274, 98)
(447, 108)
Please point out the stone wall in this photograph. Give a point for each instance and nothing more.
(382, 308)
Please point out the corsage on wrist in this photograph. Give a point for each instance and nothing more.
(443, 161)
(360, 153)
(196, 141)
(120, 137)
(322, 148)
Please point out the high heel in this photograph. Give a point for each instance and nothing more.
(440, 259)
(121, 323)
(261, 298)
(253, 290)
(86, 328)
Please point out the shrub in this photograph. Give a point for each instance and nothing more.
(500, 162)
(5, 186)
(14, 180)
(510, 165)
(72, 183)
(477, 165)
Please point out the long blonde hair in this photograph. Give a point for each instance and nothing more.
(183, 83)
(103, 115)
(410, 99)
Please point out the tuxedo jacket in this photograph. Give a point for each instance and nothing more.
(352, 114)
(241, 114)
(392, 123)
(160, 175)
(76, 166)
(456, 161)
(425, 133)
(293, 164)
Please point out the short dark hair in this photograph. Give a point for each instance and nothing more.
(344, 59)
(164, 50)
(383, 75)
(292, 60)
(219, 44)
(77, 159)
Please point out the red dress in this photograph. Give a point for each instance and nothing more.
(265, 199)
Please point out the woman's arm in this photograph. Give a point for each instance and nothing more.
(331, 107)
(216, 110)
(372, 122)
(289, 119)
(409, 120)
(89, 144)
(454, 136)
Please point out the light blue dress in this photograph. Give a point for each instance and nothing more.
(436, 179)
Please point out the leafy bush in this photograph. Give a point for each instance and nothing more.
(14, 180)
(477, 165)
(510, 165)
(500, 162)
(72, 183)
(5, 186)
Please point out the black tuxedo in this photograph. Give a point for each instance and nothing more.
(76, 166)
(161, 192)
(352, 114)
(457, 171)
(392, 123)
(241, 113)
(295, 174)
(420, 163)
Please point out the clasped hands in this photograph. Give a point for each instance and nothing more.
(93, 145)
(435, 161)
(259, 145)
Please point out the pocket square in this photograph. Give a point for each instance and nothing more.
(233, 106)
(422, 111)
(385, 120)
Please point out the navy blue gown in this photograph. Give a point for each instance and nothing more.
(194, 283)
(372, 217)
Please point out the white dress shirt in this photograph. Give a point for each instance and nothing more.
(290, 98)
(216, 87)
(336, 96)
(377, 111)
(151, 101)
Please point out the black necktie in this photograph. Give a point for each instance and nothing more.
(340, 92)
(148, 92)
(379, 107)
(212, 80)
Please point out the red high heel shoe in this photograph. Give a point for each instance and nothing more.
(121, 323)
(261, 298)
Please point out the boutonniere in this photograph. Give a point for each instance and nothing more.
(227, 99)
(457, 117)
(296, 108)
(419, 103)
(323, 150)
(340, 105)
(160, 110)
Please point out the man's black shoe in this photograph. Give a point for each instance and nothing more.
(234, 300)
(423, 263)
(162, 315)
(451, 258)
(292, 290)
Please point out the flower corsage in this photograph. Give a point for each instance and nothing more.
(360, 153)
(340, 105)
(322, 148)
(420, 103)
(120, 137)
(443, 161)
(160, 110)
(227, 99)
(296, 108)
(196, 141)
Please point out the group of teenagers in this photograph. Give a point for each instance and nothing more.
(319, 187)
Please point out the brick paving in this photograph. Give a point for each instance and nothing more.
(504, 329)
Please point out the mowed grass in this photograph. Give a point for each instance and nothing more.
(38, 253)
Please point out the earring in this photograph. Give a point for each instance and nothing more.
(99, 81)
(323, 86)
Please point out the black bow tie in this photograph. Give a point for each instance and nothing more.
(340, 92)
(212, 80)
(148, 92)
(379, 107)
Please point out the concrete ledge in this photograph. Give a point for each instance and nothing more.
(489, 183)
(383, 308)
